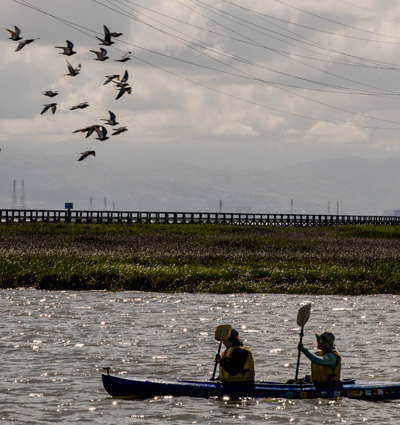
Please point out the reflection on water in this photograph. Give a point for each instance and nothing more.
(55, 344)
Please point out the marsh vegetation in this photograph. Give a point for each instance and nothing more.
(349, 260)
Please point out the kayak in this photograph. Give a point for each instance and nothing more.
(124, 387)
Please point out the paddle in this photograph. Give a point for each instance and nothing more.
(222, 333)
(302, 318)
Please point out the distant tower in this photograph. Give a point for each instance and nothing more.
(220, 206)
(329, 207)
(22, 201)
(291, 206)
(113, 206)
(14, 196)
(105, 204)
(337, 207)
(91, 204)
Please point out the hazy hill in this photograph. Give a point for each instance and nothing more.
(355, 185)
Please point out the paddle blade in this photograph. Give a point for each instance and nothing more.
(303, 315)
(223, 332)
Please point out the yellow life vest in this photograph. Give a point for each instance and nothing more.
(246, 374)
(320, 373)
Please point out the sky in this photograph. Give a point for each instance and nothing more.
(261, 84)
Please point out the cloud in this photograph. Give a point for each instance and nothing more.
(269, 74)
(326, 133)
(235, 128)
(390, 145)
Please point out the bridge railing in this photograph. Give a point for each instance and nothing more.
(135, 217)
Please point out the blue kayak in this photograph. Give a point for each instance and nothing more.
(350, 388)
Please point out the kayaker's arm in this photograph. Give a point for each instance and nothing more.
(328, 359)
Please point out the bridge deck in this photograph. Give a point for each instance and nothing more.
(132, 217)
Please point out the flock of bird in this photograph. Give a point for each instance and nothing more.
(121, 84)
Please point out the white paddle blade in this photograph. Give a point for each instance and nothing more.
(223, 332)
(303, 315)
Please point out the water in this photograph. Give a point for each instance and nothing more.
(55, 344)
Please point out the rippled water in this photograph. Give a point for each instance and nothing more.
(55, 344)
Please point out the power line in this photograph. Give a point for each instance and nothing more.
(202, 44)
(245, 75)
(332, 60)
(378, 12)
(292, 23)
(336, 22)
(308, 65)
(277, 86)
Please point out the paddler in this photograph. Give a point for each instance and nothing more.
(236, 364)
(326, 362)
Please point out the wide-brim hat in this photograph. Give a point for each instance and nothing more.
(327, 338)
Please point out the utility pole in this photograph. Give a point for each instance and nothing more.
(91, 204)
(22, 201)
(220, 206)
(329, 207)
(105, 204)
(337, 207)
(291, 206)
(14, 196)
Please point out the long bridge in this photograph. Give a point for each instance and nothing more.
(11, 216)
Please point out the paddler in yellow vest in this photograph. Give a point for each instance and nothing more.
(236, 364)
(326, 362)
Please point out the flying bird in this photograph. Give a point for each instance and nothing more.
(111, 78)
(73, 71)
(124, 78)
(23, 43)
(124, 58)
(116, 34)
(101, 56)
(119, 130)
(50, 93)
(82, 105)
(53, 107)
(86, 154)
(101, 132)
(112, 120)
(68, 50)
(122, 91)
(106, 41)
(88, 130)
(14, 34)
(123, 85)
(123, 82)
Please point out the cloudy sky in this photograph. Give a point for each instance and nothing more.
(263, 84)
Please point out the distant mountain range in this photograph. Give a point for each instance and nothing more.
(349, 185)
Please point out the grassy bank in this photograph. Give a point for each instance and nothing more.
(201, 258)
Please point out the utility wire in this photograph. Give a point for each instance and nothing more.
(336, 22)
(313, 67)
(369, 10)
(331, 59)
(79, 28)
(203, 45)
(260, 14)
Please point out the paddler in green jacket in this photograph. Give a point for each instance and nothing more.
(326, 362)
(236, 364)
